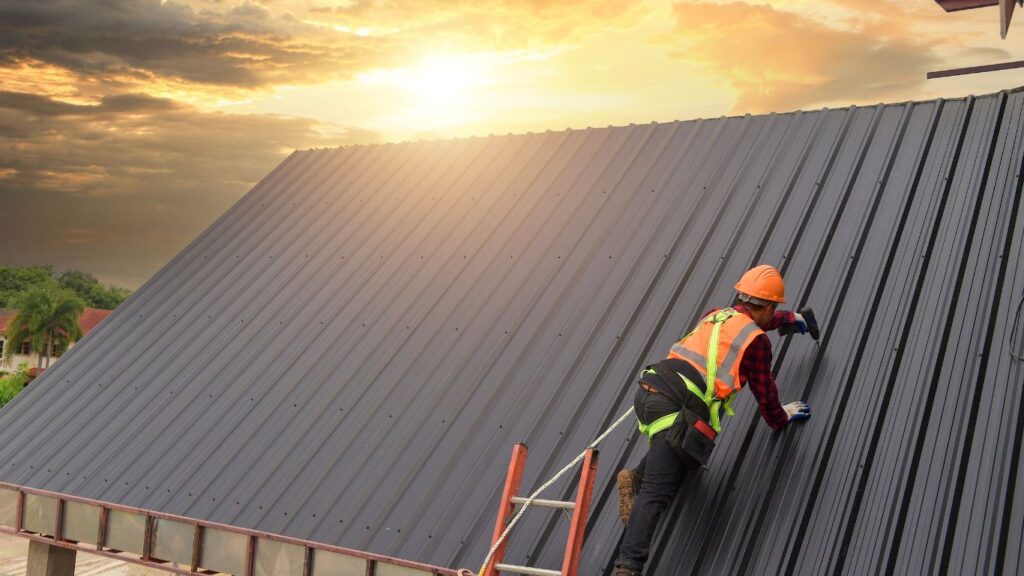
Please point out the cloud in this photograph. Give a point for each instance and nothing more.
(777, 60)
(144, 40)
(489, 24)
(37, 105)
(135, 44)
(119, 187)
(112, 154)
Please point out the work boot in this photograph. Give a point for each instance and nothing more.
(621, 570)
(628, 483)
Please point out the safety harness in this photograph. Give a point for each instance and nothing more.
(708, 396)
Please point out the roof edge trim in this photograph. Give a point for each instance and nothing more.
(146, 558)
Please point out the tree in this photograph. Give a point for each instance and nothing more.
(46, 315)
(15, 280)
(91, 291)
(107, 297)
(78, 282)
(12, 384)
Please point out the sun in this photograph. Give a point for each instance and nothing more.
(448, 78)
(439, 84)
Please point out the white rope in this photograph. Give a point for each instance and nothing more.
(547, 484)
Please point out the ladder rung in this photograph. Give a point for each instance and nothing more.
(548, 503)
(526, 569)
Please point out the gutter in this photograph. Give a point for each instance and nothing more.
(182, 545)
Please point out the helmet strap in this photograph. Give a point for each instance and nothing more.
(751, 299)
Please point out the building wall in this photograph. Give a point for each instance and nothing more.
(30, 359)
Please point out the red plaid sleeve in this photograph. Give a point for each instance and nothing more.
(781, 318)
(756, 369)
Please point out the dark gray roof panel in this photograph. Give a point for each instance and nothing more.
(348, 354)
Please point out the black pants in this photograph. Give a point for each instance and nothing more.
(663, 471)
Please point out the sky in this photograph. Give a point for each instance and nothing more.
(128, 126)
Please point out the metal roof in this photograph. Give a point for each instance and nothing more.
(349, 353)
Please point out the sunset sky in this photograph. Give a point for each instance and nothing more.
(128, 126)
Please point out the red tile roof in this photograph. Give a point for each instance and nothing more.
(90, 318)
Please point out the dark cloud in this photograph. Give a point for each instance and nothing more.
(135, 103)
(779, 60)
(120, 187)
(244, 46)
(37, 105)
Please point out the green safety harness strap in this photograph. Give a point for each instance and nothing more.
(708, 396)
(666, 422)
(659, 425)
(711, 399)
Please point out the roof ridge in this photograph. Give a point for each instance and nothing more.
(435, 139)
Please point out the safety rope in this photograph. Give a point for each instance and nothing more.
(1013, 333)
(547, 484)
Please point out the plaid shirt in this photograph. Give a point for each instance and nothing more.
(756, 370)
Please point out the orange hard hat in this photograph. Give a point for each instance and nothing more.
(762, 282)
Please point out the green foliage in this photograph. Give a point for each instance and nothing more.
(17, 280)
(77, 282)
(89, 289)
(46, 315)
(12, 384)
(105, 297)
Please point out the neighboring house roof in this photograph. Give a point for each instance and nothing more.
(90, 318)
(349, 353)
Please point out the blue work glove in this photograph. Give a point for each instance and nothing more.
(804, 322)
(797, 411)
(801, 324)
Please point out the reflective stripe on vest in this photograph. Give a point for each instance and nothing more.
(726, 330)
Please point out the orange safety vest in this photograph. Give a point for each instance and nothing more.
(715, 348)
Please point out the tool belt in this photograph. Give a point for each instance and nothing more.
(690, 435)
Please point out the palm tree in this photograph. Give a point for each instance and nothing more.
(47, 316)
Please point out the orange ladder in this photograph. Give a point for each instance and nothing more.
(580, 508)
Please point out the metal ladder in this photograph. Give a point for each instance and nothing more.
(510, 498)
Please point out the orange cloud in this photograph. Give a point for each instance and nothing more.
(39, 78)
(778, 60)
(485, 24)
(246, 46)
(210, 52)
(216, 47)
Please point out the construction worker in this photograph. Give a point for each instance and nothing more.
(679, 401)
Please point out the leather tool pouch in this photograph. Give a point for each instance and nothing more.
(691, 436)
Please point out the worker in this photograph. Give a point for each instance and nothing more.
(680, 400)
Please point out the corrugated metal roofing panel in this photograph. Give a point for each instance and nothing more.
(349, 353)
